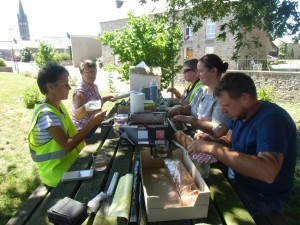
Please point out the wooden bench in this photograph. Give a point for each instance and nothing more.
(225, 206)
(221, 187)
(30, 206)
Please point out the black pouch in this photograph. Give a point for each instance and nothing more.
(67, 212)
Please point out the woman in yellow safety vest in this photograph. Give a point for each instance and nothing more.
(54, 142)
(193, 85)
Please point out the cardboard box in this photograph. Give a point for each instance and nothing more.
(141, 77)
(161, 200)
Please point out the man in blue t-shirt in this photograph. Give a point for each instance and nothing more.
(260, 148)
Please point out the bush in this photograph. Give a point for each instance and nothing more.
(26, 55)
(46, 54)
(27, 74)
(266, 93)
(2, 63)
(31, 96)
(65, 56)
(72, 81)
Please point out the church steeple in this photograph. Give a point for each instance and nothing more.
(23, 23)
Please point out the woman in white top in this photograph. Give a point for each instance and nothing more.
(204, 112)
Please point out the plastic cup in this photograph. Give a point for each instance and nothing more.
(161, 149)
(99, 161)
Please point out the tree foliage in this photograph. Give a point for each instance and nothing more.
(275, 17)
(26, 55)
(155, 41)
(46, 54)
(283, 51)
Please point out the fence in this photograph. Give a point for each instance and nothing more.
(271, 64)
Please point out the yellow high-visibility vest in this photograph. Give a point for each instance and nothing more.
(51, 159)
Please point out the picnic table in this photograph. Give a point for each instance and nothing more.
(225, 206)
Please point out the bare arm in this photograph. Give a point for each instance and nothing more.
(223, 140)
(205, 126)
(182, 110)
(79, 101)
(175, 92)
(107, 98)
(265, 166)
(69, 143)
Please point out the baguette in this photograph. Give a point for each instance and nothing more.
(183, 182)
(183, 139)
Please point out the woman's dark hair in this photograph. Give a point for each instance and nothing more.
(50, 73)
(235, 84)
(191, 63)
(213, 61)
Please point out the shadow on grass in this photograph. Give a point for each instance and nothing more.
(291, 210)
(8, 208)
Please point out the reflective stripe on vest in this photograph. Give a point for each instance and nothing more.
(47, 156)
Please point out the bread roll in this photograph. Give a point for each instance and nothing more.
(183, 139)
(183, 182)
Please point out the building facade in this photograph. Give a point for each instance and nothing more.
(204, 41)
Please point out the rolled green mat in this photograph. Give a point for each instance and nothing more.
(120, 206)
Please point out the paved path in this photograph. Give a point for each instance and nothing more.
(102, 79)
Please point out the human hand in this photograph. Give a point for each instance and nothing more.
(180, 118)
(174, 112)
(99, 117)
(109, 98)
(203, 136)
(198, 146)
(171, 89)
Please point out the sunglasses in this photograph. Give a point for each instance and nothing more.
(187, 70)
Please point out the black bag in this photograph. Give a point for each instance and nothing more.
(67, 212)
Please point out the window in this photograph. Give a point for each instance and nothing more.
(188, 53)
(209, 50)
(210, 30)
(188, 33)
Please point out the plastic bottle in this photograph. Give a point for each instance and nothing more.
(153, 92)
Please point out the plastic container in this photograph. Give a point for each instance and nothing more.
(120, 119)
(153, 92)
(203, 168)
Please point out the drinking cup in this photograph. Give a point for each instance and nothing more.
(161, 149)
(99, 160)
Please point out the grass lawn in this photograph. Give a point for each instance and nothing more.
(18, 174)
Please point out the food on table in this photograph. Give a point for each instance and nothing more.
(182, 139)
(183, 182)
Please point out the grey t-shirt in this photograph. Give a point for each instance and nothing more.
(206, 107)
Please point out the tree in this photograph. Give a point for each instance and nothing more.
(155, 41)
(292, 54)
(26, 55)
(282, 50)
(275, 17)
(46, 54)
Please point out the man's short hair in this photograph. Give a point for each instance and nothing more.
(235, 84)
